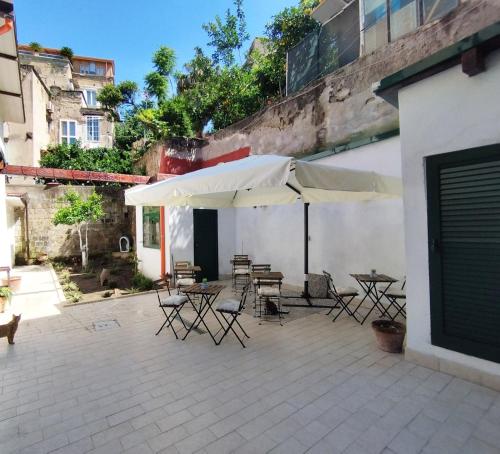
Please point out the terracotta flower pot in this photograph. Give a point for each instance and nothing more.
(14, 283)
(390, 335)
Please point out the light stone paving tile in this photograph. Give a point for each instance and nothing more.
(311, 434)
(112, 433)
(80, 447)
(342, 436)
(195, 442)
(125, 415)
(143, 448)
(47, 445)
(227, 444)
(290, 446)
(171, 421)
(201, 422)
(423, 426)
(258, 445)
(112, 447)
(139, 436)
(475, 446)
(306, 380)
(407, 442)
(167, 439)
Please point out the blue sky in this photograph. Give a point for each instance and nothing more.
(129, 31)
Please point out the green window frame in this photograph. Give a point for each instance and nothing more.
(151, 227)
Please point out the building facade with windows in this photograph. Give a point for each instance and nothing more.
(61, 104)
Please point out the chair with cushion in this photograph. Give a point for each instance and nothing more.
(259, 268)
(171, 307)
(184, 275)
(397, 299)
(241, 271)
(268, 298)
(343, 297)
(230, 310)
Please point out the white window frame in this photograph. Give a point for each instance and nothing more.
(86, 96)
(90, 137)
(68, 136)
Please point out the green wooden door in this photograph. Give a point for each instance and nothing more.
(463, 196)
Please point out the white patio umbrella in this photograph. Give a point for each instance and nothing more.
(263, 180)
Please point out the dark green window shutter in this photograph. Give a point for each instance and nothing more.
(464, 250)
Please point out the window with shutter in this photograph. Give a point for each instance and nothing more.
(464, 250)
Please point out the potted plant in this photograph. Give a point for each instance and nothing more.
(5, 294)
(67, 52)
(35, 47)
(390, 335)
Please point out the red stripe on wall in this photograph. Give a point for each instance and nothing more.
(179, 166)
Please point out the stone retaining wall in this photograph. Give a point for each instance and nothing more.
(62, 241)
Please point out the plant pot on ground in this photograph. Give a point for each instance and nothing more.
(5, 294)
(390, 335)
(14, 283)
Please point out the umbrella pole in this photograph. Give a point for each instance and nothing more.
(306, 252)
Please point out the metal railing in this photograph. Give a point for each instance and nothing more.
(322, 52)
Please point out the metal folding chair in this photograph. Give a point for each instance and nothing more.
(397, 299)
(241, 271)
(175, 303)
(258, 268)
(268, 299)
(343, 297)
(184, 275)
(230, 310)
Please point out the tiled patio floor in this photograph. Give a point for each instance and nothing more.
(309, 386)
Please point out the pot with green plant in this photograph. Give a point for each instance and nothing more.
(390, 335)
(35, 47)
(67, 52)
(5, 295)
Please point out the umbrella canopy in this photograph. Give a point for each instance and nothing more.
(265, 180)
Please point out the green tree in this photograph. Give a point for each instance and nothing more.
(228, 35)
(80, 213)
(74, 157)
(164, 61)
(286, 30)
(156, 86)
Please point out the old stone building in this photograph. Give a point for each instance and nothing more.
(60, 103)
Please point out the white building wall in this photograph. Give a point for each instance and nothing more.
(443, 113)
(344, 238)
(179, 244)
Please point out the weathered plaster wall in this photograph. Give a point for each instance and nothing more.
(53, 71)
(341, 107)
(26, 140)
(58, 241)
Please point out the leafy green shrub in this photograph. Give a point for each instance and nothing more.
(35, 47)
(67, 52)
(5, 292)
(142, 282)
(74, 157)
